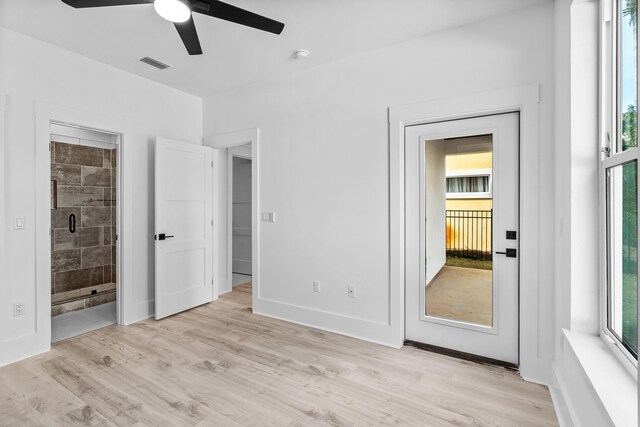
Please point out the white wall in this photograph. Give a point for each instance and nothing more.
(241, 215)
(436, 199)
(325, 162)
(31, 70)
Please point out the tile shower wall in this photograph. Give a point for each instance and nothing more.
(83, 270)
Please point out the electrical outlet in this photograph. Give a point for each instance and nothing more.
(351, 291)
(18, 308)
(316, 286)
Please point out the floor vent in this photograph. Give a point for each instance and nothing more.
(154, 63)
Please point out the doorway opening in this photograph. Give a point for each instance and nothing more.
(84, 229)
(240, 231)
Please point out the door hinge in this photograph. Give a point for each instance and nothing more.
(211, 282)
(211, 163)
(212, 223)
(50, 146)
(116, 237)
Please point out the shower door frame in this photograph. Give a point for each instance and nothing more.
(46, 115)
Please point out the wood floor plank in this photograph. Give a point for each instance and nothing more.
(221, 365)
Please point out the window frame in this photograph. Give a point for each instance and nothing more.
(611, 157)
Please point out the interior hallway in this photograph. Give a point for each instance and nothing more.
(219, 364)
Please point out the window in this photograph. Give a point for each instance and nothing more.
(469, 184)
(619, 184)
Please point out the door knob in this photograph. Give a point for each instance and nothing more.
(162, 236)
(510, 253)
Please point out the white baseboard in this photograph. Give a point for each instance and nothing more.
(242, 266)
(224, 286)
(367, 330)
(22, 347)
(140, 311)
(563, 411)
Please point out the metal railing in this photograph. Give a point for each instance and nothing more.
(469, 233)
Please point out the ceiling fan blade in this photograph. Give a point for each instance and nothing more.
(189, 36)
(225, 11)
(101, 3)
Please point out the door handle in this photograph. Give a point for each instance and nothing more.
(162, 236)
(72, 223)
(510, 253)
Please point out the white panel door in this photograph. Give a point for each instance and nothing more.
(183, 226)
(461, 255)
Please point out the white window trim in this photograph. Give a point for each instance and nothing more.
(470, 173)
(609, 92)
(627, 359)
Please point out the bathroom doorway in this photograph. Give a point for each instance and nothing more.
(84, 230)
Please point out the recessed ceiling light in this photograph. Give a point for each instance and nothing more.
(172, 10)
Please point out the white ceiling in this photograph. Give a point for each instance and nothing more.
(235, 55)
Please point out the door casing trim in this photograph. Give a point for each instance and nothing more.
(535, 365)
(45, 115)
(229, 140)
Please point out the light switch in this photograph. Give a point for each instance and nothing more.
(268, 216)
(18, 223)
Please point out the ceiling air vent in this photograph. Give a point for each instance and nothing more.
(154, 63)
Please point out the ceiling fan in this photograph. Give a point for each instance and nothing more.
(179, 12)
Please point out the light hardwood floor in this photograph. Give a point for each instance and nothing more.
(220, 365)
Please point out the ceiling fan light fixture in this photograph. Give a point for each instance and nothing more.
(172, 10)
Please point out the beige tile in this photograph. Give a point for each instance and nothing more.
(96, 177)
(67, 196)
(107, 197)
(66, 174)
(107, 287)
(91, 236)
(100, 299)
(67, 307)
(64, 240)
(91, 196)
(76, 279)
(106, 159)
(69, 154)
(106, 236)
(60, 217)
(96, 216)
(96, 256)
(65, 260)
(63, 296)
